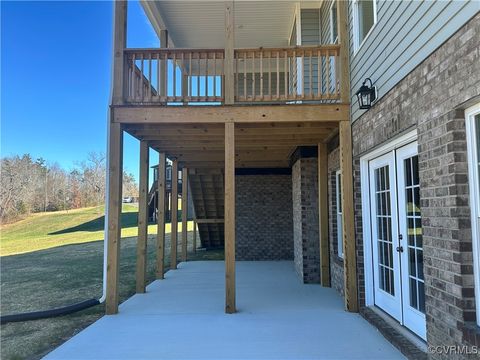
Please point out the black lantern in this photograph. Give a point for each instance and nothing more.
(366, 95)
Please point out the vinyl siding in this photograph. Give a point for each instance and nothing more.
(405, 34)
(310, 24)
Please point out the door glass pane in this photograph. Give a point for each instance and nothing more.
(414, 234)
(384, 230)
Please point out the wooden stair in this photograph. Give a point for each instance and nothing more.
(207, 193)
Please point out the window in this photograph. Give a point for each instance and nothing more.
(338, 192)
(472, 122)
(364, 17)
(333, 23)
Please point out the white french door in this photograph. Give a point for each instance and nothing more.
(396, 228)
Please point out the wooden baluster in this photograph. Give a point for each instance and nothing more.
(206, 75)
(295, 73)
(183, 92)
(310, 70)
(302, 74)
(198, 76)
(236, 76)
(253, 76)
(270, 75)
(174, 62)
(189, 93)
(245, 75)
(261, 74)
(328, 74)
(214, 76)
(132, 78)
(150, 76)
(319, 78)
(285, 75)
(165, 77)
(278, 75)
(158, 75)
(142, 88)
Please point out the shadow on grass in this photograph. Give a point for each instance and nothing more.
(128, 219)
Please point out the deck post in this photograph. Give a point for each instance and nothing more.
(349, 253)
(142, 237)
(161, 217)
(230, 306)
(174, 216)
(163, 64)
(119, 44)
(229, 54)
(323, 214)
(113, 214)
(184, 213)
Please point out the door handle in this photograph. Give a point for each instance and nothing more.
(400, 248)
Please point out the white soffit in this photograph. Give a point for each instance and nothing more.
(201, 24)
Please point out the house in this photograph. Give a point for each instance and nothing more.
(257, 103)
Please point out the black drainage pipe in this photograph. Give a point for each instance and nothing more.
(49, 313)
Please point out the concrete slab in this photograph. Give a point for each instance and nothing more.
(182, 317)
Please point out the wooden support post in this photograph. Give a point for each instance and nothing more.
(343, 39)
(184, 213)
(174, 216)
(184, 85)
(142, 218)
(119, 44)
(230, 218)
(229, 54)
(194, 237)
(323, 214)
(349, 253)
(163, 64)
(161, 217)
(113, 214)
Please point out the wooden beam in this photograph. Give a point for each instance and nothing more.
(230, 306)
(119, 44)
(229, 54)
(343, 41)
(239, 113)
(323, 214)
(113, 214)
(184, 213)
(161, 217)
(141, 271)
(349, 253)
(210, 221)
(174, 216)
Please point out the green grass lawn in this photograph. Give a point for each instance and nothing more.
(56, 259)
(46, 230)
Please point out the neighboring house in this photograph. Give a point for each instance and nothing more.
(382, 203)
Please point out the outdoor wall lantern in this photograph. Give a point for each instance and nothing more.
(366, 95)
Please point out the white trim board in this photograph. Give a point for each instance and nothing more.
(473, 178)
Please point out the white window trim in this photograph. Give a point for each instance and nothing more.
(474, 196)
(332, 40)
(356, 41)
(365, 191)
(339, 215)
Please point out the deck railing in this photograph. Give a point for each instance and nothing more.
(183, 76)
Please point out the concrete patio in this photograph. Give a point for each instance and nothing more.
(182, 317)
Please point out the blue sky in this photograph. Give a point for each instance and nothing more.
(55, 78)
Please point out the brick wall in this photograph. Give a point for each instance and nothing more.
(305, 219)
(429, 99)
(336, 263)
(264, 226)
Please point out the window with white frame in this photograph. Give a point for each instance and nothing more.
(364, 17)
(472, 122)
(338, 192)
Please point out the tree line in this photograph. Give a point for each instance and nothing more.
(30, 185)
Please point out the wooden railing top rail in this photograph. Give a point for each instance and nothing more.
(176, 53)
